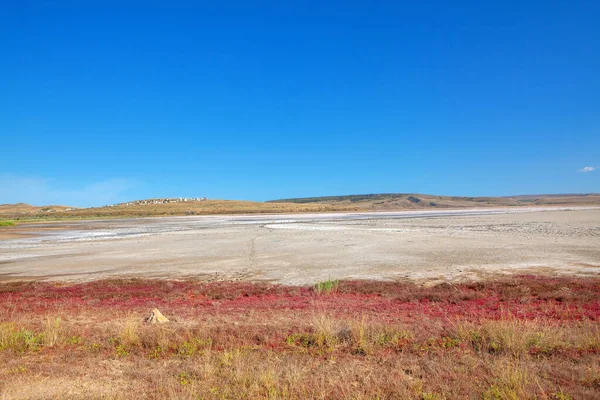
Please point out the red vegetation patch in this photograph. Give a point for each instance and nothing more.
(522, 297)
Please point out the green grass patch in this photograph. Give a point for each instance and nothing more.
(8, 223)
(19, 340)
(327, 287)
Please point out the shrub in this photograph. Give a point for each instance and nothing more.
(19, 340)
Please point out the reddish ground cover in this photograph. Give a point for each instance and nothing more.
(508, 338)
(523, 297)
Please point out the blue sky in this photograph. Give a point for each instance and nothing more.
(108, 101)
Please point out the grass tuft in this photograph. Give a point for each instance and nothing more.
(52, 331)
(327, 287)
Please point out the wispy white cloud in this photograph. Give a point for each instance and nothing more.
(43, 191)
(586, 169)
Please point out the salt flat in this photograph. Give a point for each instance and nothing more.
(305, 248)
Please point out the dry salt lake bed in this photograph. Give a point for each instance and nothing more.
(306, 248)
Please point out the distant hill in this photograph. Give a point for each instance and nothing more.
(401, 201)
(26, 209)
(361, 202)
(160, 207)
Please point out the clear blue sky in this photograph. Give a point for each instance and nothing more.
(108, 101)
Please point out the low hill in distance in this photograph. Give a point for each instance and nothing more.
(407, 201)
(160, 207)
(367, 202)
(22, 208)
